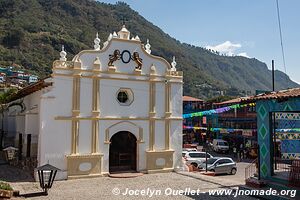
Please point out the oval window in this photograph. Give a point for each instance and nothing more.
(86, 166)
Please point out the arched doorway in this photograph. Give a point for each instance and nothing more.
(122, 152)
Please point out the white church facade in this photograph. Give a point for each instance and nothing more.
(110, 109)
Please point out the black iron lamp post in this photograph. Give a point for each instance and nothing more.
(47, 175)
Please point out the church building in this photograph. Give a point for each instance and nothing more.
(114, 108)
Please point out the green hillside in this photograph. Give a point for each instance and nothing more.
(32, 32)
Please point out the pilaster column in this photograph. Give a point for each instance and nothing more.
(167, 114)
(96, 97)
(152, 94)
(75, 133)
(75, 113)
(95, 114)
(95, 133)
(76, 95)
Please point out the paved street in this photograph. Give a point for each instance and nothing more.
(103, 187)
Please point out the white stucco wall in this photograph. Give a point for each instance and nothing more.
(160, 99)
(85, 137)
(56, 108)
(55, 135)
(110, 107)
(88, 59)
(86, 94)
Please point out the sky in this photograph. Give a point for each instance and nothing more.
(234, 27)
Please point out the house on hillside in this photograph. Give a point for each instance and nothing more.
(110, 109)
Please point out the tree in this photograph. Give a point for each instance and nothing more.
(219, 99)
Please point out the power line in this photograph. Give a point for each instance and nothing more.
(281, 42)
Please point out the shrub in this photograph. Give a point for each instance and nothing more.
(5, 186)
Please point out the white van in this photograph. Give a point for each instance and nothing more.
(220, 146)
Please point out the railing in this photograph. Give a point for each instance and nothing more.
(282, 168)
(63, 64)
(175, 73)
(251, 170)
(282, 165)
(294, 175)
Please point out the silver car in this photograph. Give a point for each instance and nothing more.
(220, 165)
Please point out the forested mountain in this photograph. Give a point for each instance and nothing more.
(32, 32)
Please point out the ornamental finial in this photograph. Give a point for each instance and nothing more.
(115, 34)
(63, 54)
(173, 64)
(110, 37)
(97, 42)
(137, 38)
(147, 47)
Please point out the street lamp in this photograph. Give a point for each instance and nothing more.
(10, 153)
(47, 175)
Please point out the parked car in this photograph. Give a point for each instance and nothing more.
(220, 146)
(185, 150)
(189, 149)
(196, 157)
(220, 165)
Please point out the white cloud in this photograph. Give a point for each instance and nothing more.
(228, 48)
(244, 54)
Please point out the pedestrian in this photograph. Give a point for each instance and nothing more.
(234, 151)
(241, 151)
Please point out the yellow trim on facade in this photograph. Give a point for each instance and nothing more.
(95, 136)
(75, 132)
(140, 138)
(167, 114)
(74, 162)
(114, 78)
(167, 97)
(113, 118)
(95, 97)
(154, 158)
(167, 134)
(98, 72)
(151, 134)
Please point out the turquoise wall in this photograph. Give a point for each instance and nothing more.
(263, 108)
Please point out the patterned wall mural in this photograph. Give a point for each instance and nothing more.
(289, 133)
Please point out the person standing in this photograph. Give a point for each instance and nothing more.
(241, 151)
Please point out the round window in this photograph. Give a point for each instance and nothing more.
(122, 97)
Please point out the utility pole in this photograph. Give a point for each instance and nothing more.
(273, 116)
(273, 77)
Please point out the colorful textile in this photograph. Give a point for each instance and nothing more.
(218, 110)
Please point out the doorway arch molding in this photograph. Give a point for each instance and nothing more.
(136, 130)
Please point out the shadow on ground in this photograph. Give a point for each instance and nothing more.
(10, 173)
